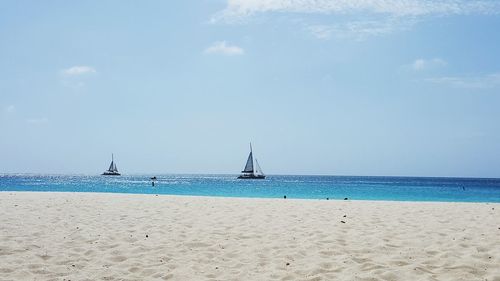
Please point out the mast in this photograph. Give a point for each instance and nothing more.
(251, 153)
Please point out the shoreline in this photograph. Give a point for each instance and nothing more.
(111, 236)
(243, 197)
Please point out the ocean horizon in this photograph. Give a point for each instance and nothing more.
(386, 188)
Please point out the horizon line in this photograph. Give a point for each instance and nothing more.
(235, 174)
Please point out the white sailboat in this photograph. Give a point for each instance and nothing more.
(249, 172)
(112, 170)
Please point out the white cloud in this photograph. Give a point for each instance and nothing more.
(469, 82)
(74, 77)
(385, 16)
(244, 8)
(37, 121)
(423, 64)
(10, 109)
(221, 47)
(78, 70)
(360, 30)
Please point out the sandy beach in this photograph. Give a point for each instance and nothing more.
(85, 236)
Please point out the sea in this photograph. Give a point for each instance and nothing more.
(274, 186)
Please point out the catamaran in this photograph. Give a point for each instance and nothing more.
(112, 170)
(249, 172)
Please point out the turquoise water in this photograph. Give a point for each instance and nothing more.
(305, 187)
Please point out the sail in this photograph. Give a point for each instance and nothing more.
(258, 170)
(249, 165)
(115, 169)
(111, 166)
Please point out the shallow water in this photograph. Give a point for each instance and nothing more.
(305, 187)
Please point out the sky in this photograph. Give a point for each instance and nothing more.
(321, 87)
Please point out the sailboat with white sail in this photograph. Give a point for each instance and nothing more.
(112, 170)
(252, 171)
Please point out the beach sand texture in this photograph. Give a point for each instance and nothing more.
(85, 236)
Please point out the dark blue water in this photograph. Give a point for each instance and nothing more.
(305, 187)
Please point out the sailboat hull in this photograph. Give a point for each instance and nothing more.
(252, 177)
(111, 174)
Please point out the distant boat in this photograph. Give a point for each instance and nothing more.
(112, 170)
(249, 172)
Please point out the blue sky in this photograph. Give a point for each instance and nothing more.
(361, 87)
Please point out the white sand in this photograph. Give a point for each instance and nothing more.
(78, 236)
